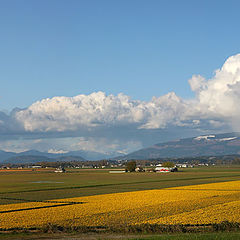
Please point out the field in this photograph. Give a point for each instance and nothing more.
(45, 184)
(96, 198)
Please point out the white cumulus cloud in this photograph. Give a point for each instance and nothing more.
(98, 109)
(216, 103)
(109, 123)
(219, 96)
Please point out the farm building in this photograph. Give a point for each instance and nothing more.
(60, 170)
(166, 169)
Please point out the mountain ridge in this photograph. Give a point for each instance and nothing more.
(204, 145)
(37, 156)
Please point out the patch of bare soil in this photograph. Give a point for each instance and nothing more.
(81, 236)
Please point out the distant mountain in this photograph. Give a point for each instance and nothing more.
(70, 158)
(37, 153)
(205, 145)
(23, 159)
(38, 156)
(28, 159)
(208, 145)
(5, 155)
(89, 155)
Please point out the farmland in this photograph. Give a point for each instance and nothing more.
(47, 185)
(88, 197)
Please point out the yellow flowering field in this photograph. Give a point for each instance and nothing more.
(197, 204)
(27, 205)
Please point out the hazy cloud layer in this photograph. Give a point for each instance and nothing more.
(64, 145)
(215, 106)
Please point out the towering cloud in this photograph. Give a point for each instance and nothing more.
(97, 109)
(216, 104)
(217, 99)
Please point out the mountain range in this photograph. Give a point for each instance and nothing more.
(33, 156)
(205, 145)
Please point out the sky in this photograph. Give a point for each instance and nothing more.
(115, 76)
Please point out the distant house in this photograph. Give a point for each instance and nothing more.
(35, 166)
(150, 170)
(60, 170)
(162, 169)
(117, 171)
(139, 169)
(184, 165)
(166, 169)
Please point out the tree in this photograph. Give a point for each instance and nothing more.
(236, 161)
(168, 164)
(131, 166)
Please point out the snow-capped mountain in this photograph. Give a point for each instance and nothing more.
(204, 145)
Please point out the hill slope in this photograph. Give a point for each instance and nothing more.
(209, 145)
(36, 156)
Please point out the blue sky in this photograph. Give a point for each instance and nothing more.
(102, 48)
(140, 48)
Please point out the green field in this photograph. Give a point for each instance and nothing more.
(20, 186)
(194, 236)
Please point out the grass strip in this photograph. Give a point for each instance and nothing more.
(134, 229)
